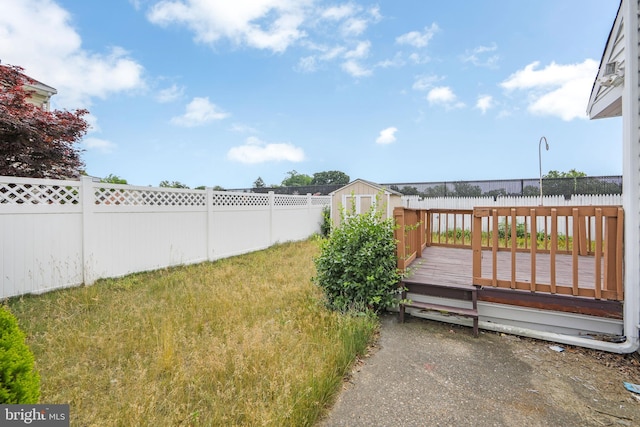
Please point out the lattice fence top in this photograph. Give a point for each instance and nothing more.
(25, 191)
(321, 200)
(48, 194)
(290, 200)
(147, 197)
(240, 199)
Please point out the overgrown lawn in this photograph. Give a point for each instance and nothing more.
(240, 341)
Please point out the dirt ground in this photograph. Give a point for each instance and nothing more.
(424, 373)
(590, 382)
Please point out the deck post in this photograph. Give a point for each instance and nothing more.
(420, 230)
(575, 248)
(619, 255)
(398, 215)
(554, 248)
(598, 254)
(610, 253)
(514, 246)
(428, 217)
(476, 242)
(534, 247)
(494, 247)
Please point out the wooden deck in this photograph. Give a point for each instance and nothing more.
(447, 265)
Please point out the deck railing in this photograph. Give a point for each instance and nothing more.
(544, 245)
(449, 227)
(564, 237)
(410, 235)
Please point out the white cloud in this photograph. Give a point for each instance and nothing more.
(556, 90)
(416, 58)
(352, 58)
(360, 51)
(418, 39)
(352, 19)
(101, 145)
(169, 94)
(443, 95)
(479, 57)
(39, 36)
(355, 69)
(354, 27)
(397, 61)
(256, 151)
(425, 82)
(374, 12)
(307, 64)
(333, 53)
(338, 13)
(263, 24)
(387, 136)
(484, 103)
(242, 128)
(351, 65)
(198, 112)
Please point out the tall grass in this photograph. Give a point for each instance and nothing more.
(240, 341)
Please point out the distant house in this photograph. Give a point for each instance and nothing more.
(361, 195)
(40, 93)
(616, 92)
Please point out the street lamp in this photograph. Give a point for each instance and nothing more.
(540, 162)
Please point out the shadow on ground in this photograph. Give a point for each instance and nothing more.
(427, 373)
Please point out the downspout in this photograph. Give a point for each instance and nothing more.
(631, 178)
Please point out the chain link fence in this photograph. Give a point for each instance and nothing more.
(501, 187)
(513, 187)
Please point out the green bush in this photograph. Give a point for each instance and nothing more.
(325, 225)
(357, 266)
(19, 382)
(505, 230)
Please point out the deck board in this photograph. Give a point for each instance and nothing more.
(446, 265)
(455, 265)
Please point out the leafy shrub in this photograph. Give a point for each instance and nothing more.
(357, 266)
(19, 382)
(325, 225)
(503, 230)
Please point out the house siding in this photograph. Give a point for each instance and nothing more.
(606, 101)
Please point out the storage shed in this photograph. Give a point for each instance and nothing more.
(362, 194)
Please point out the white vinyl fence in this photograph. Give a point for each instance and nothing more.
(56, 234)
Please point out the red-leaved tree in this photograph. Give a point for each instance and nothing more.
(34, 142)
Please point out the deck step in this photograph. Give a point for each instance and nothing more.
(466, 312)
(459, 292)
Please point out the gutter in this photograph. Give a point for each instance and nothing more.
(629, 346)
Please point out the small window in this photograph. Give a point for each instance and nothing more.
(610, 68)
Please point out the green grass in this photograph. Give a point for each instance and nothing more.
(464, 238)
(240, 341)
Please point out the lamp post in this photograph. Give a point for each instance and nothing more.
(540, 162)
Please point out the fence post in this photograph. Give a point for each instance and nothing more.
(88, 206)
(310, 214)
(210, 242)
(272, 202)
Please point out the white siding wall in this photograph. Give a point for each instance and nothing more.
(56, 234)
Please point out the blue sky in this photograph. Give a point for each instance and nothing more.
(217, 92)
